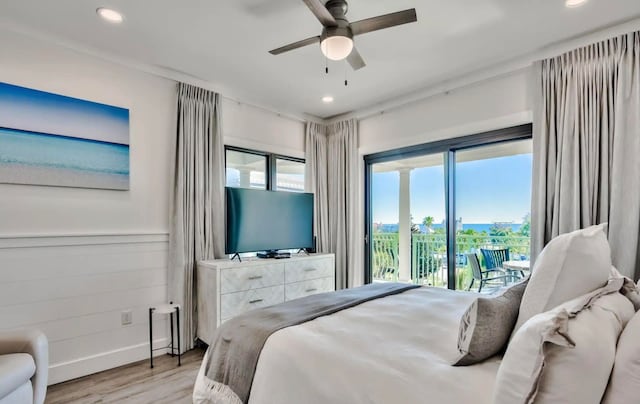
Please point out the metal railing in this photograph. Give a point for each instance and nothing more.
(429, 256)
(385, 257)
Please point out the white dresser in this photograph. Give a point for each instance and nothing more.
(228, 288)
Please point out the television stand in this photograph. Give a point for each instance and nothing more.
(226, 288)
(273, 254)
(236, 255)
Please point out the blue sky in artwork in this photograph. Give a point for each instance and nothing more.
(38, 111)
(489, 190)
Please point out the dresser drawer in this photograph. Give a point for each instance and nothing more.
(233, 304)
(307, 288)
(303, 270)
(250, 277)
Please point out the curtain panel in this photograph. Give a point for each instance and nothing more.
(586, 167)
(333, 176)
(197, 204)
(316, 177)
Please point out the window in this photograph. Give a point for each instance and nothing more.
(246, 169)
(429, 207)
(259, 170)
(289, 175)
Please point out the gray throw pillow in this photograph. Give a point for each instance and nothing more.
(487, 324)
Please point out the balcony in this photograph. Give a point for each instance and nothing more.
(429, 252)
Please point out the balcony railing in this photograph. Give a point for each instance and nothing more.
(429, 256)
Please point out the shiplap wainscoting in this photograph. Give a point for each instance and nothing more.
(74, 288)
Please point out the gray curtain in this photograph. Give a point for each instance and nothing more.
(316, 177)
(333, 176)
(587, 146)
(197, 209)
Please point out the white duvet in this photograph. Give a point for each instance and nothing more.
(397, 349)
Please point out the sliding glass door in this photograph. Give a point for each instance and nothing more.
(430, 208)
(408, 213)
(492, 205)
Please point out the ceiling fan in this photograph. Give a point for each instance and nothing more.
(336, 40)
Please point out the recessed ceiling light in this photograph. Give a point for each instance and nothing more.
(327, 99)
(574, 3)
(110, 15)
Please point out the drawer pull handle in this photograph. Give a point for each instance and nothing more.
(311, 290)
(310, 269)
(253, 278)
(255, 301)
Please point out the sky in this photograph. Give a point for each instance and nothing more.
(487, 191)
(38, 111)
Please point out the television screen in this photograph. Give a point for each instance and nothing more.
(260, 220)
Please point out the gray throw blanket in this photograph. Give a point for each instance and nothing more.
(233, 354)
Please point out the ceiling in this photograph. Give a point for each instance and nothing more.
(226, 43)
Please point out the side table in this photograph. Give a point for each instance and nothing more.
(169, 309)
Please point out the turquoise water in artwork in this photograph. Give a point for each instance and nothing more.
(52, 151)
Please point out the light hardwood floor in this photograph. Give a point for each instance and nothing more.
(135, 383)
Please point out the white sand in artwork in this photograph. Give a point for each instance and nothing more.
(61, 177)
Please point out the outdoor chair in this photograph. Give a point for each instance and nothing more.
(495, 258)
(483, 277)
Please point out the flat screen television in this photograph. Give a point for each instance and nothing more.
(259, 220)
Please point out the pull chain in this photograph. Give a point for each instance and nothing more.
(346, 82)
(326, 66)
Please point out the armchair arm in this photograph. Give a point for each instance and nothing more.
(34, 343)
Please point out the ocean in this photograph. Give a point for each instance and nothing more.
(479, 227)
(34, 149)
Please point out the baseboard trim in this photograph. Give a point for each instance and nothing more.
(61, 372)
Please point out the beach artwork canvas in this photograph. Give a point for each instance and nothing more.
(50, 139)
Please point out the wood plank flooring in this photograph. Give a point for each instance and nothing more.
(134, 384)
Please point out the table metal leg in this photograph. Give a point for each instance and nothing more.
(178, 327)
(172, 345)
(151, 337)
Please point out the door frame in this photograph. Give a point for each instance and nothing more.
(448, 147)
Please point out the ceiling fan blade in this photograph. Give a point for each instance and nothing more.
(384, 21)
(355, 60)
(320, 11)
(295, 45)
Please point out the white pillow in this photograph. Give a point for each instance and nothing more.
(570, 266)
(624, 385)
(565, 355)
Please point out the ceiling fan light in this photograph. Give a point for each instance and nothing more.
(336, 47)
(110, 15)
(574, 3)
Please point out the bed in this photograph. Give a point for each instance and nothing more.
(570, 331)
(397, 348)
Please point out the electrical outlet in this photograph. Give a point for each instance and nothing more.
(126, 317)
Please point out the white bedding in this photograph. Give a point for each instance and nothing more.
(393, 350)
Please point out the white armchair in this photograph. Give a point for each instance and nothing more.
(24, 367)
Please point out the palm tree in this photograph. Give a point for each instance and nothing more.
(428, 222)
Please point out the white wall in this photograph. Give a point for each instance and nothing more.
(254, 128)
(74, 288)
(150, 100)
(492, 104)
(64, 279)
(71, 260)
